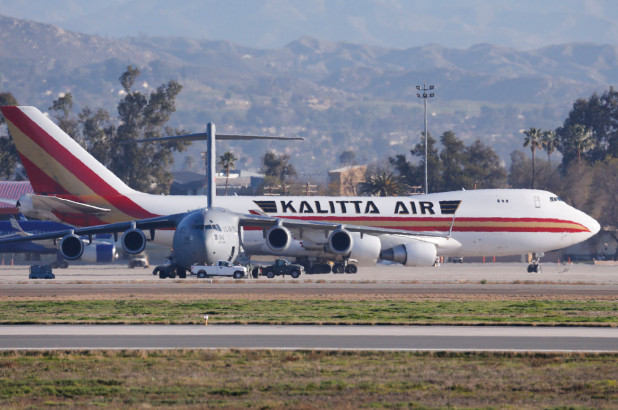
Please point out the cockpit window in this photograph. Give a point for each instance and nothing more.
(216, 227)
(555, 199)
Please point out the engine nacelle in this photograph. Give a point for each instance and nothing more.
(133, 241)
(413, 253)
(99, 252)
(71, 247)
(340, 242)
(278, 238)
(364, 248)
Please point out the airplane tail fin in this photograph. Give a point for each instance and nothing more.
(54, 162)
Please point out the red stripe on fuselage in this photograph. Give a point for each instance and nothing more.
(411, 224)
(72, 165)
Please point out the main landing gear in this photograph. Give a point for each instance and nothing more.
(345, 266)
(535, 263)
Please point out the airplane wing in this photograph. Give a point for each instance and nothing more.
(161, 222)
(268, 221)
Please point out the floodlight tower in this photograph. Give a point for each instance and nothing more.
(425, 96)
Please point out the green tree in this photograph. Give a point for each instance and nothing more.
(533, 139)
(98, 130)
(599, 114)
(278, 168)
(8, 153)
(519, 172)
(549, 142)
(144, 166)
(414, 175)
(227, 161)
(452, 159)
(575, 141)
(383, 183)
(483, 168)
(63, 107)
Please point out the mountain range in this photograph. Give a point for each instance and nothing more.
(337, 95)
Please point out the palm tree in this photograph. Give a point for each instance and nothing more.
(533, 138)
(581, 140)
(226, 161)
(549, 142)
(384, 183)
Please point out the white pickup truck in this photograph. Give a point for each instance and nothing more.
(222, 268)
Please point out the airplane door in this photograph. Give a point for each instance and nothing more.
(537, 202)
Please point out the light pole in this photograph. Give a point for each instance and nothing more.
(424, 96)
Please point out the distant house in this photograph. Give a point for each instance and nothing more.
(344, 181)
(194, 183)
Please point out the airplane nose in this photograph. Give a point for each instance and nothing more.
(593, 226)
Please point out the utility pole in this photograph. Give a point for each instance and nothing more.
(424, 96)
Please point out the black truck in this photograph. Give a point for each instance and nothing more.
(280, 267)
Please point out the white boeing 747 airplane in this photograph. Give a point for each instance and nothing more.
(72, 187)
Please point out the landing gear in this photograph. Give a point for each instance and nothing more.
(535, 263)
(338, 268)
(351, 268)
(341, 267)
(320, 266)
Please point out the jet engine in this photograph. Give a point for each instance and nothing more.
(413, 253)
(71, 247)
(340, 242)
(364, 248)
(278, 238)
(133, 241)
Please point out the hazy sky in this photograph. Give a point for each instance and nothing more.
(523, 24)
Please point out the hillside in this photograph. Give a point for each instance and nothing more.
(337, 95)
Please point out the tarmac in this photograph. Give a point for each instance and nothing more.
(503, 272)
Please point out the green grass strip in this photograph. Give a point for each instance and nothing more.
(306, 379)
(138, 311)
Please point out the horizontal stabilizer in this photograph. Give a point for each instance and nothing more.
(66, 206)
(202, 136)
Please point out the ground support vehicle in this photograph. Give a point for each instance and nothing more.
(281, 267)
(139, 261)
(222, 268)
(41, 272)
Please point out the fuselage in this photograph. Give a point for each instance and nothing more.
(484, 222)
